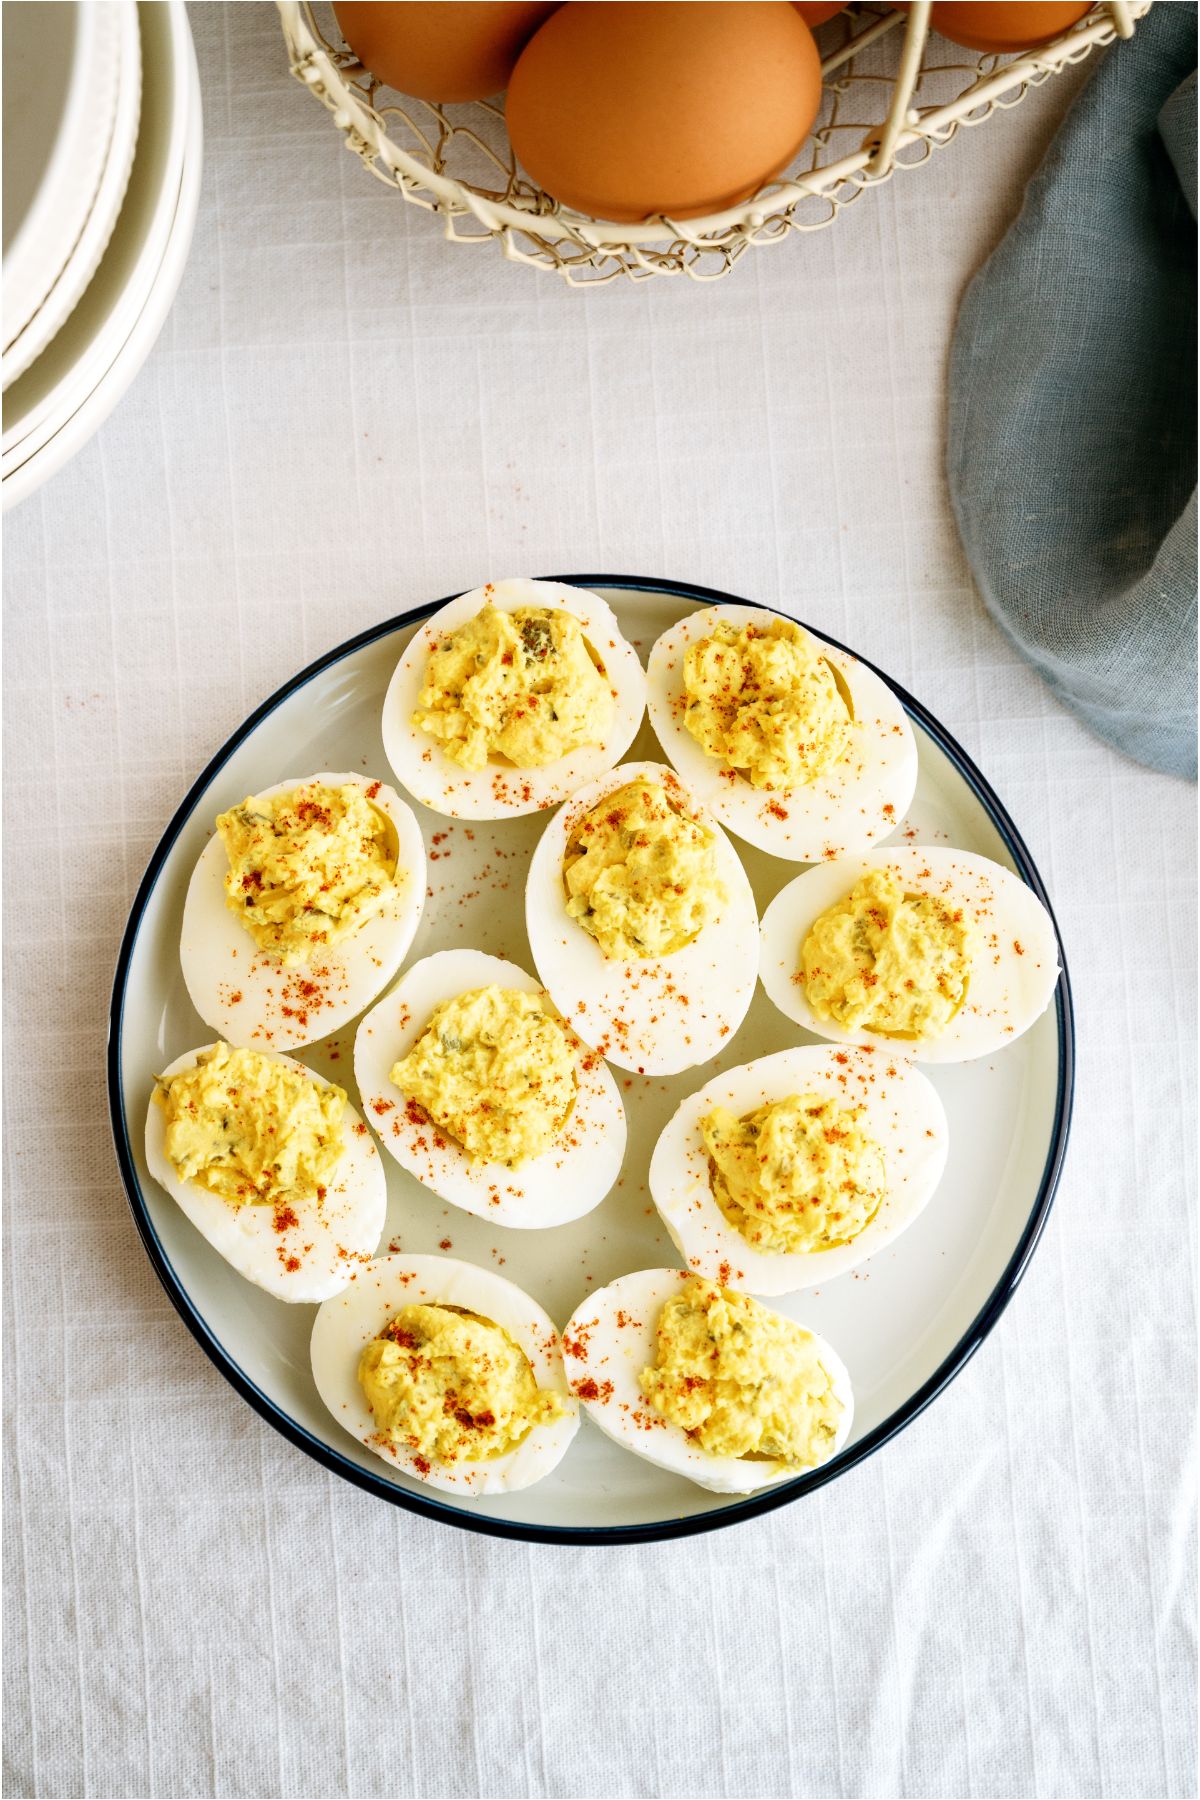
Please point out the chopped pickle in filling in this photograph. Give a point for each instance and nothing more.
(452, 1386)
(741, 1380)
(520, 684)
(306, 867)
(797, 1175)
(641, 877)
(765, 701)
(887, 961)
(496, 1070)
(250, 1129)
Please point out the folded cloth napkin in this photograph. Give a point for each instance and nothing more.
(1072, 432)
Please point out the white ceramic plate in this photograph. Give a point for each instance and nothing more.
(62, 67)
(84, 259)
(905, 1322)
(51, 410)
(41, 49)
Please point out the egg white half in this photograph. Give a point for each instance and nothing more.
(565, 1182)
(900, 1110)
(348, 1322)
(500, 790)
(659, 1014)
(329, 1244)
(607, 1343)
(860, 800)
(1014, 962)
(246, 994)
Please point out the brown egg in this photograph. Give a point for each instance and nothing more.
(456, 51)
(1004, 25)
(625, 110)
(817, 12)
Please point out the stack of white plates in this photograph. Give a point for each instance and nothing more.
(101, 179)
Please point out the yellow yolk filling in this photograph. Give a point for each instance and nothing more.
(888, 961)
(520, 684)
(252, 1130)
(307, 867)
(741, 1380)
(641, 877)
(766, 702)
(452, 1386)
(797, 1175)
(496, 1071)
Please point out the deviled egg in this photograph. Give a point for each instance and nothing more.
(269, 1161)
(706, 1382)
(481, 1090)
(448, 1372)
(941, 954)
(642, 922)
(794, 745)
(511, 697)
(301, 909)
(794, 1168)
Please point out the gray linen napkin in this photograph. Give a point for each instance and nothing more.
(1072, 431)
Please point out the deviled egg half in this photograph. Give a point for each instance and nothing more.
(301, 909)
(794, 1168)
(706, 1382)
(796, 746)
(481, 1090)
(271, 1164)
(511, 697)
(642, 922)
(448, 1372)
(939, 954)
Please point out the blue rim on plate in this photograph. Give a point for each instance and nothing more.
(753, 1505)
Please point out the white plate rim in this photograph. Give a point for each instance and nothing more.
(57, 425)
(655, 1530)
(97, 53)
(87, 253)
(57, 446)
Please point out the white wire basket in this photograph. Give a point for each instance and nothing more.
(893, 94)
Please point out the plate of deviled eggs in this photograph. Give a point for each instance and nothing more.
(590, 1059)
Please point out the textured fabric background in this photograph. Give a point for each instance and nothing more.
(1072, 452)
(343, 416)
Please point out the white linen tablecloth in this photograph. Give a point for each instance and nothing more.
(345, 415)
